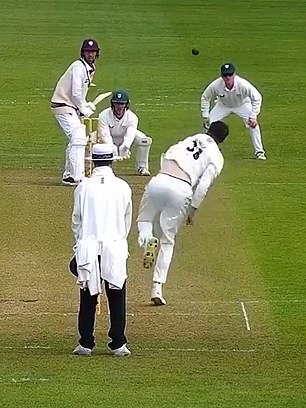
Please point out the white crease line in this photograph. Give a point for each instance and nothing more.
(220, 302)
(26, 347)
(22, 380)
(182, 314)
(153, 313)
(200, 350)
(195, 350)
(268, 183)
(245, 316)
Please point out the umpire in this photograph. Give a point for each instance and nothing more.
(101, 222)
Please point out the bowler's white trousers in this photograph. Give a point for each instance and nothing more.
(75, 151)
(162, 210)
(220, 111)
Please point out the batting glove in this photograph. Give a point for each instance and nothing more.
(91, 106)
(86, 111)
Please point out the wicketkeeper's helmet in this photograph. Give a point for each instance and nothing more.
(120, 97)
(90, 45)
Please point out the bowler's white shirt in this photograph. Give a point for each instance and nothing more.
(72, 87)
(199, 157)
(102, 207)
(242, 92)
(112, 129)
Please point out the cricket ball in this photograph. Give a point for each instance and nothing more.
(194, 51)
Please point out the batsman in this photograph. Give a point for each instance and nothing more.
(69, 105)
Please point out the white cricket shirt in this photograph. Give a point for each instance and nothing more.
(72, 87)
(117, 131)
(199, 157)
(242, 92)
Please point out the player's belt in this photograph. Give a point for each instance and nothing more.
(61, 105)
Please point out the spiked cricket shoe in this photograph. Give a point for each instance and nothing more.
(261, 156)
(157, 294)
(143, 171)
(150, 253)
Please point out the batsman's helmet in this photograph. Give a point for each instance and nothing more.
(218, 131)
(120, 96)
(90, 45)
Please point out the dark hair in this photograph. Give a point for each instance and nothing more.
(218, 131)
(100, 163)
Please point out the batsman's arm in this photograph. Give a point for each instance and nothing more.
(77, 79)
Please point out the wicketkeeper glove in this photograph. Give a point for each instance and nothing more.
(124, 152)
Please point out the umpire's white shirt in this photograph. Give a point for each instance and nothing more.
(71, 89)
(200, 158)
(103, 212)
(117, 131)
(242, 92)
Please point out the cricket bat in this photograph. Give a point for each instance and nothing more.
(101, 97)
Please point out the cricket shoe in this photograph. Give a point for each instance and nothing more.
(261, 156)
(157, 294)
(122, 351)
(69, 181)
(143, 171)
(82, 351)
(150, 253)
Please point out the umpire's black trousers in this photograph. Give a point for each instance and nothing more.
(87, 315)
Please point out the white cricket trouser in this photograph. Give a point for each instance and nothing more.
(143, 144)
(162, 210)
(75, 151)
(220, 111)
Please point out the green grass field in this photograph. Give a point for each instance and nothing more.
(233, 333)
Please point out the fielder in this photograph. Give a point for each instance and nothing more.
(188, 169)
(101, 221)
(118, 125)
(69, 104)
(233, 94)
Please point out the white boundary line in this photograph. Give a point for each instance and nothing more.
(246, 319)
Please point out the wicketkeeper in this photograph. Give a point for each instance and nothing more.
(118, 125)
